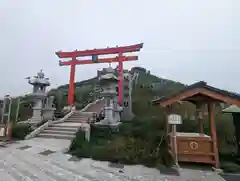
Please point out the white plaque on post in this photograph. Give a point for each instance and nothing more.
(174, 119)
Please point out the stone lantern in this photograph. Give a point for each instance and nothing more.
(108, 82)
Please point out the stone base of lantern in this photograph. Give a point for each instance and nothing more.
(113, 126)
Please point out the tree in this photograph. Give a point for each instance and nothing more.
(236, 122)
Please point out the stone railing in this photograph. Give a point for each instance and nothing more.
(90, 104)
(65, 117)
(92, 116)
(47, 124)
(85, 127)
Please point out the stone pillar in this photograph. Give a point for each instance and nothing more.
(37, 111)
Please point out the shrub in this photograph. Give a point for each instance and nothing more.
(137, 142)
(77, 142)
(230, 167)
(19, 131)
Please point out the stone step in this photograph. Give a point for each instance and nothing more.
(75, 115)
(56, 136)
(78, 118)
(60, 132)
(66, 125)
(76, 121)
(78, 115)
(74, 129)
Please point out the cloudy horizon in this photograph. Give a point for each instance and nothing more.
(186, 41)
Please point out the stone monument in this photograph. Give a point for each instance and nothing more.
(49, 109)
(43, 106)
(108, 82)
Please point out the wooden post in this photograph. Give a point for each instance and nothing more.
(120, 82)
(166, 121)
(201, 125)
(199, 118)
(174, 143)
(71, 89)
(213, 133)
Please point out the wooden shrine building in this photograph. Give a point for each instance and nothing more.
(198, 147)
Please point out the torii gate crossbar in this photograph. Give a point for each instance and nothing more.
(95, 53)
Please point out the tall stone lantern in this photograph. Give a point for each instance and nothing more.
(108, 82)
(39, 83)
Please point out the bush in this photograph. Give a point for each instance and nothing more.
(137, 142)
(230, 167)
(19, 131)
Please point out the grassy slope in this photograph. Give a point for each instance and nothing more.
(142, 95)
(129, 145)
(140, 141)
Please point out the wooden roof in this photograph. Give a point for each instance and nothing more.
(232, 109)
(193, 92)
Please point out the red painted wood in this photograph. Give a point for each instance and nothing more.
(120, 82)
(103, 51)
(71, 89)
(100, 60)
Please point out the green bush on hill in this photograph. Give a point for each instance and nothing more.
(137, 142)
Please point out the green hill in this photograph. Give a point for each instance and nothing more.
(148, 85)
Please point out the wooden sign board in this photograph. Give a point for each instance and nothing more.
(174, 119)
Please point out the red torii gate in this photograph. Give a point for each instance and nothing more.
(95, 53)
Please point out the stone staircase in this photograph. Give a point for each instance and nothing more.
(96, 107)
(68, 128)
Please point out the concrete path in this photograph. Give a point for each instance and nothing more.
(231, 177)
(42, 159)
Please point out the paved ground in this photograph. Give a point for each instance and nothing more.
(232, 177)
(41, 159)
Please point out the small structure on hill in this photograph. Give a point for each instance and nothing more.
(43, 105)
(111, 110)
(197, 147)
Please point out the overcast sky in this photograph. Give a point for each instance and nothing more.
(184, 40)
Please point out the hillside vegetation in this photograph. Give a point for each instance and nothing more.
(128, 145)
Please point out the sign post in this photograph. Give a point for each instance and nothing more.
(174, 119)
